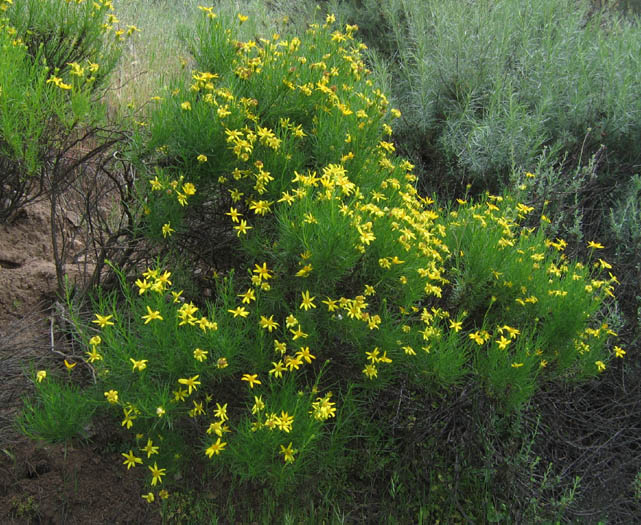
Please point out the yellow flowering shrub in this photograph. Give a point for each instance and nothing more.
(334, 277)
(537, 315)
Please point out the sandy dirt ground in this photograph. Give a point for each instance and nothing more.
(79, 482)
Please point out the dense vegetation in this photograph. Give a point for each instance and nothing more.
(363, 261)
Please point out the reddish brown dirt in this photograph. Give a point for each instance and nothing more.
(58, 484)
(27, 271)
(83, 483)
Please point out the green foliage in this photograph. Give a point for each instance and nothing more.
(492, 90)
(513, 279)
(487, 86)
(32, 113)
(345, 310)
(60, 412)
(55, 56)
(65, 33)
(341, 273)
(625, 217)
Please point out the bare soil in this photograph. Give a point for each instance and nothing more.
(82, 483)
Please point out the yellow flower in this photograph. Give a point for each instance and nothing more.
(69, 365)
(144, 285)
(189, 189)
(182, 198)
(242, 18)
(215, 448)
(149, 497)
(95, 340)
(280, 347)
(209, 11)
(218, 428)
(221, 412)
(268, 323)
(156, 473)
(370, 371)
(285, 421)
(332, 304)
(179, 395)
(222, 362)
(373, 355)
(298, 333)
(76, 69)
(200, 355)
(236, 195)
(234, 214)
(259, 404)
(503, 342)
(129, 418)
(600, 365)
(197, 410)
(149, 448)
(130, 459)
(456, 325)
(323, 408)
(278, 369)
(167, 230)
(103, 320)
(262, 271)
(293, 363)
(41, 375)
(201, 158)
(138, 365)
(288, 453)
(517, 365)
(242, 228)
(58, 82)
(240, 311)
(289, 199)
(307, 301)
(190, 383)
(186, 106)
(260, 207)
(112, 396)
(618, 351)
(93, 355)
(595, 245)
(305, 354)
(304, 271)
(160, 411)
(309, 219)
(151, 315)
(156, 185)
(409, 350)
(252, 379)
(163, 494)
